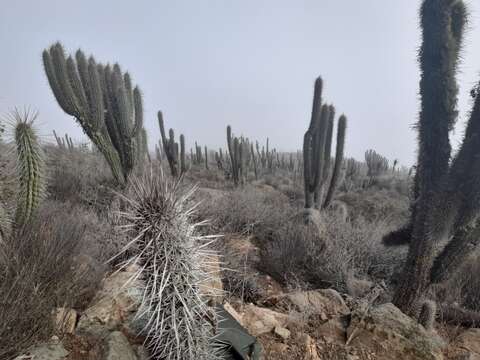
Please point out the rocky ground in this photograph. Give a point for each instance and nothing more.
(306, 325)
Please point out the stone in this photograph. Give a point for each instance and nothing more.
(393, 335)
(119, 348)
(115, 302)
(259, 320)
(64, 320)
(309, 347)
(229, 308)
(282, 332)
(332, 331)
(325, 302)
(46, 351)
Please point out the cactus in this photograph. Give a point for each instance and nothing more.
(317, 145)
(428, 314)
(233, 150)
(30, 166)
(376, 163)
(446, 194)
(254, 159)
(102, 100)
(172, 258)
(206, 158)
(342, 127)
(173, 153)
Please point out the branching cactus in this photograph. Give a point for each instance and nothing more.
(174, 153)
(171, 258)
(102, 100)
(446, 192)
(30, 166)
(317, 144)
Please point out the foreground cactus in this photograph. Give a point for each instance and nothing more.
(30, 166)
(171, 258)
(104, 103)
(447, 193)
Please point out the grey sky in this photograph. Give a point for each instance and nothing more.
(247, 63)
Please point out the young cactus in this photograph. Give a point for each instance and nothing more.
(30, 166)
(172, 261)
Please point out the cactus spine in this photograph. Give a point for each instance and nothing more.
(173, 264)
(30, 167)
(102, 100)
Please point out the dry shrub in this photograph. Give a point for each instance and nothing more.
(329, 257)
(41, 268)
(80, 177)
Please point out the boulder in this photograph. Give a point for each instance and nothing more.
(259, 320)
(116, 301)
(393, 335)
(325, 302)
(48, 351)
(119, 348)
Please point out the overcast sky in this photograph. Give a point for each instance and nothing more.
(247, 63)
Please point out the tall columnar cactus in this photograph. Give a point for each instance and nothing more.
(342, 127)
(174, 154)
(314, 146)
(102, 100)
(173, 262)
(235, 156)
(447, 193)
(30, 167)
(206, 158)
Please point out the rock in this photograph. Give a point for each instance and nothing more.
(309, 347)
(358, 288)
(282, 332)
(332, 331)
(232, 312)
(114, 303)
(393, 335)
(259, 320)
(64, 320)
(325, 302)
(47, 351)
(212, 289)
(119, 348)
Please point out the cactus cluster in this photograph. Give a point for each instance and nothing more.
(446, 191)
(174, 152)
(239, 150)
(103, 101)
(64, 143)
(172, 261)
(376, 163)
(317, 144)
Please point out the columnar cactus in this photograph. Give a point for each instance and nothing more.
(102, 100)
(447, 192)
(342, 127)
(173, 264)
(206, 158)
(234, 151)
(172, 151)
(376, 163)
(30, 167)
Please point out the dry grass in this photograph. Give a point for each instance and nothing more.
(40, 270)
